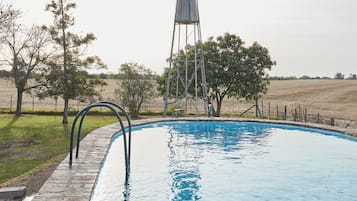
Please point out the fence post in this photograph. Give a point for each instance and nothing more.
(33, 103)
(277, 111)
(237, 107)
(262, 113)
(285, 112)
(305, 117)
(332, 121)
(10, 104)
(269, 110)
(56, 105)
(318, 118)
(256, 107)
(295, 115)
(299, 112)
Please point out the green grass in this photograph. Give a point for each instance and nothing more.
(31, 140)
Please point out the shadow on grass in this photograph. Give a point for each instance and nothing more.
(12, 122)
(66, 129)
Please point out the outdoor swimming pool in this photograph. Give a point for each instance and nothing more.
(226, 160)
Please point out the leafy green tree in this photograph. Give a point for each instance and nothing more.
(305, 77)
(232, 69)
(352, 77)
(224, 67)
(257, 63)
(64, 78)
(339, 76)
(136, 85)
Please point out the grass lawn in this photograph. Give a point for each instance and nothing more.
(32, 140)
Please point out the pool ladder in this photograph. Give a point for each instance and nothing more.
(127, 142)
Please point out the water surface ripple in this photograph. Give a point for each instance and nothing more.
(230, 161)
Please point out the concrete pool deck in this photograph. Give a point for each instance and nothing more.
(77, 183)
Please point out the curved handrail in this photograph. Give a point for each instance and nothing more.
(79, 130)
(129, 124)
(127, 118)
(84, 113)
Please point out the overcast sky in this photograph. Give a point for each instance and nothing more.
(305, 37)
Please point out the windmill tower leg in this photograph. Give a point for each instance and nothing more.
(169, 73)
(203, 72)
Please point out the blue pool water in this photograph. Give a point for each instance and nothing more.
(231, 161)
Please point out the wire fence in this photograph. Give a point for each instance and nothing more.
(231, 108)
(33, 104)
(269, 110)
(299, 113)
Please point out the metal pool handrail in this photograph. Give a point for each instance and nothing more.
(129, 125)
(127, 144)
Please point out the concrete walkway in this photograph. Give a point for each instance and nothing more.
(77, 183)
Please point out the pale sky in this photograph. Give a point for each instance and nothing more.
(305, 37)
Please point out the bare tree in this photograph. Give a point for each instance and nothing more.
(25, 51)
(7, 15)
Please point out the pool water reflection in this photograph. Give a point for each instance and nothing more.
(215, 160)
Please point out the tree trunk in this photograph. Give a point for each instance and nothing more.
(258, 113)
(19, 102)
(65, 111)
(138, 108)
(65, 94)
(219, 106)
(133, 112)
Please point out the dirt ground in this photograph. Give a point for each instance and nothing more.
(34, 179)
(330, 97)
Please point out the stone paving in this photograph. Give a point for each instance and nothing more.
(77, 183)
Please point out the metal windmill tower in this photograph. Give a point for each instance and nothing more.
(187, 23)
